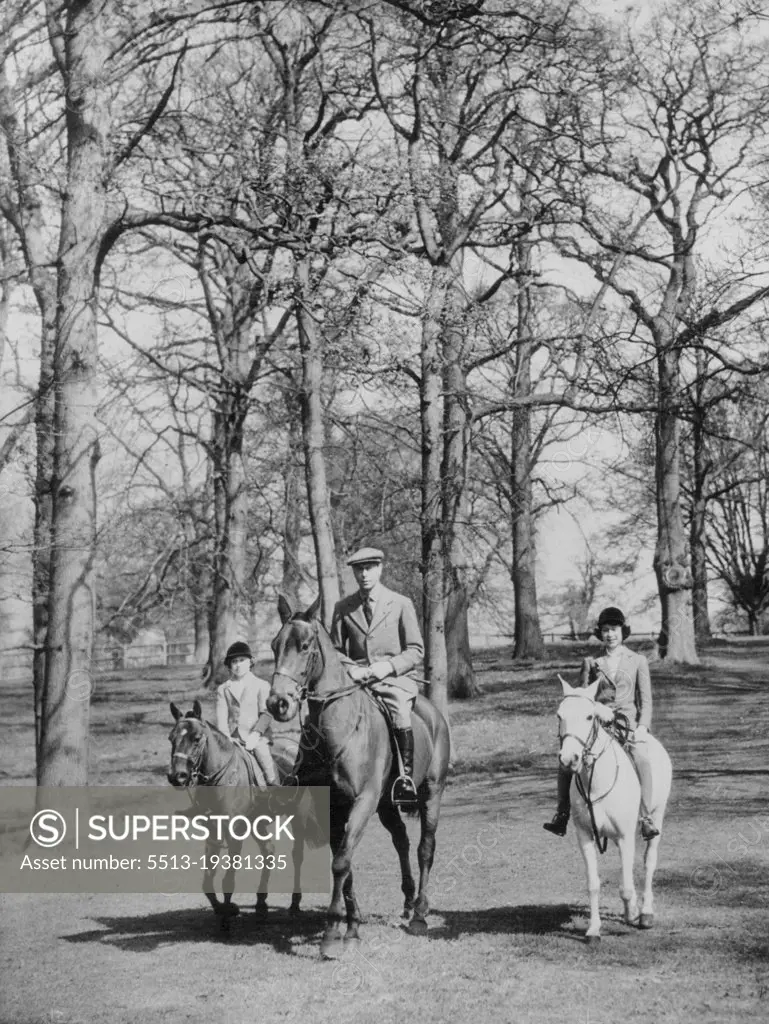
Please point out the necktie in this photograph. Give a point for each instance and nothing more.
(368, 611)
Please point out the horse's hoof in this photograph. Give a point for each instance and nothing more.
(228, 910)
(294, 910)
(592, 940)
(260, 911)
(417, 926)
(332, 949)
(351, 942)
(646, 921)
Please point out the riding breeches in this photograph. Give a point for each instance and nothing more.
(398, 694)
(639, 755)
(259, 746)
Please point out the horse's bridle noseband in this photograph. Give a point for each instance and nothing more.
(194, 759)
(587, 745)
(301, 685)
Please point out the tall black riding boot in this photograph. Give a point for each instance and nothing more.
(404, 792)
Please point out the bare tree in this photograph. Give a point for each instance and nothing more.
(659, 141)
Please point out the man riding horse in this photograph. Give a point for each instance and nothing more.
(378, 631)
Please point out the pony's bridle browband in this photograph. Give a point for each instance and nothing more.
(301, 685)
(195, 758)
(587, 744)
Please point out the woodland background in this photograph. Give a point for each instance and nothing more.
(281, 279)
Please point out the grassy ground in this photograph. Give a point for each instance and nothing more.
(508, 900)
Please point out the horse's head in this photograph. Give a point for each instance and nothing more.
(298, 659)
(579, 717)
(188, 741)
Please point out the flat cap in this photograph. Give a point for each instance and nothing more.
(366, 555)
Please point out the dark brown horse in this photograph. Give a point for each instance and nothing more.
(346, 745)
(203, 756)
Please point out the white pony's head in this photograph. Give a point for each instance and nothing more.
(578, 714)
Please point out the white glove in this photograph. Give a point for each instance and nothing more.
(641, 734)
(604, 713)
(380, 670)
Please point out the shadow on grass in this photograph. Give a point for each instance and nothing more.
(144, 933)
(527, 919)
(736, 884)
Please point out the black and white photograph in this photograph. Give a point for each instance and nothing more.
(384, 511)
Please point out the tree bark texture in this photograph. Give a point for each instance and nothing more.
(230, 604)
(431, 518)
(292, 508)
(697, 541)
(528, 636)
(671, 563)
(314, 441)
(68, 671)
(461, 682)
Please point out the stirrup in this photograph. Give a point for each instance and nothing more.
(404, 792)
(559, 823)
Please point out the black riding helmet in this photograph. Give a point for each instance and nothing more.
(239, 649)
(612, 617)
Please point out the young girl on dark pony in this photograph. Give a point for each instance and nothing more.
(625, 688)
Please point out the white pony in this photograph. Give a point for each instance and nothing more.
(608, 797)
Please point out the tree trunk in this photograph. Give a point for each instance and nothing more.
(292, 507)
(314, 437)
(202, 635)
(674, 580)
(229, 610)
(528, 636)
(431, 520)
(41, 552)
(461, 682)
(66, 697)
(699, 570)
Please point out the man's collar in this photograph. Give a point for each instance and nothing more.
(374, 594)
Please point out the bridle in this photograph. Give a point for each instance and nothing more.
(194, 761)
(587, 756)
(587, 762)
(312, 671)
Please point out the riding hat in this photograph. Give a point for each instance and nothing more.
(366, 555)
(612, 617)
(239, 649)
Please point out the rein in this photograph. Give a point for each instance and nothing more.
(309, 674)
(589, 761)
(195, 758)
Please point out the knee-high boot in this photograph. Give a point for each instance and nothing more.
(404, 790)
(561, 819)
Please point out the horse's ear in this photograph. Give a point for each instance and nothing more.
(197, 710)
(567, 689)
(284, 609)
(592, 690)
(313, 610)
(175, 712)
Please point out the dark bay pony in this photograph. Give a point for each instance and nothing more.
(203, 756)
(346, 745)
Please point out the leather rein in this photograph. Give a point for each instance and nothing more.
(195, 762)
(588, 760)
(311, 673)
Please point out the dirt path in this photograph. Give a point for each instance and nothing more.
(508, 901)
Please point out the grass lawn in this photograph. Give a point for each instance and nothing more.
(508, 902)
